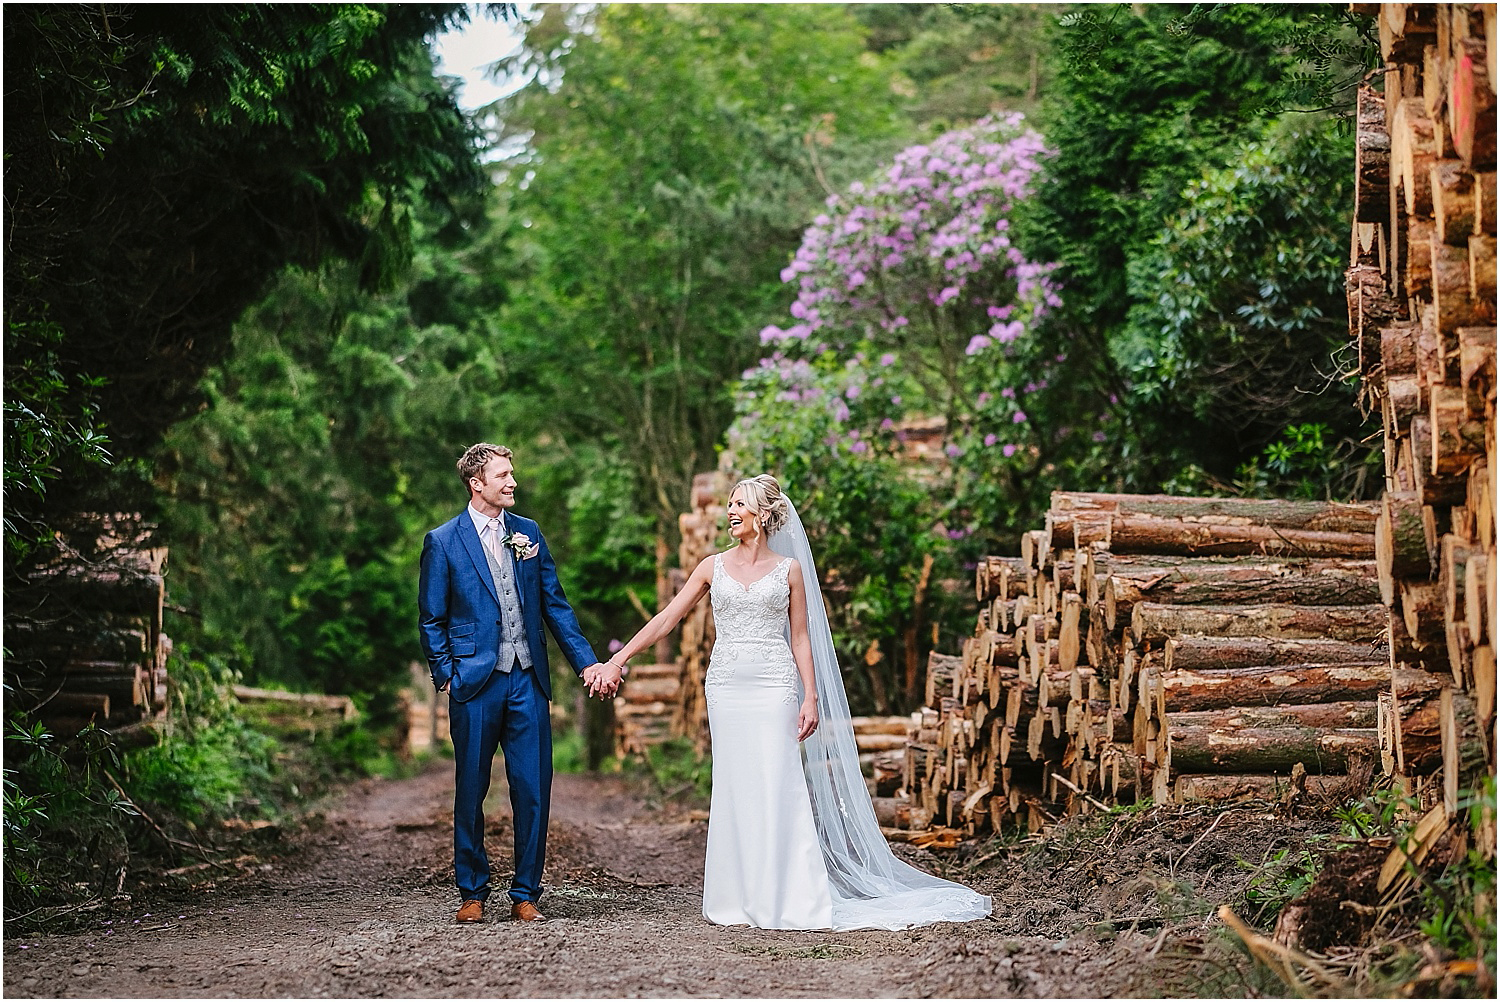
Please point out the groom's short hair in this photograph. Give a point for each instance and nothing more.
(476, 457)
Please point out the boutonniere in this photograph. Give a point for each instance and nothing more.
(519, 543)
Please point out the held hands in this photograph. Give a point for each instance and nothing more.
(807, 718)
(603, 679)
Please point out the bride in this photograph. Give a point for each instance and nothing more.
(792, 837)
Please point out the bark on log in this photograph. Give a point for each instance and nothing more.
(1484, 202)
(1330, 716)
(879, 742)
(1482, 270)
(1316, 516)
(1476, 368)
(1463, 747)
(1267, 749)
(1187, 691)
(1422, 611)
(1155, 623)
(1453, 202)
(1187, 789)
(1456, 440)
(1313, 582)
(1220, 653)
(1420, 233)
(1451, 290)
(1370, 309)
(1400, 543)
(649, 690)
(1435, 488)
(880, 725)
(1372, 158)
(1398, 349)
(84, 705)
(941, 669)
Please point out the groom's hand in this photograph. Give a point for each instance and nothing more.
(603, 679)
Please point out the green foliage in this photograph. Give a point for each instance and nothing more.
(955, 63)
(1280, 877)
(65, 821)
(671, 155)
(1200, 221)
(677, 770)
(871, 522)
(1305, 464)
(1237, 314)
(326, 452)
(210, 763)
(50, 421)
(163, 164)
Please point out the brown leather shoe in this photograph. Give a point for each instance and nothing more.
(470, 911)
(525, 911)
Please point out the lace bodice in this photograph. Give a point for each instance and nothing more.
(750, 622)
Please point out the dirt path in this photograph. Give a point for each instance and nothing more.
(362, 906)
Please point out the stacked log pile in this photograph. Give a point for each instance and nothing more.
(665, 700)
(1421, 289)
(85, 634)
(646, 706)
(1178, 648)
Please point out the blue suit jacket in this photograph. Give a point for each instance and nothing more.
(460, 608)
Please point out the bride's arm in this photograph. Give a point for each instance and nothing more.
(807, 716)
(666, 621)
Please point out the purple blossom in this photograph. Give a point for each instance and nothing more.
(953, 451)
(1099, 436)
(1019, 418)
(888, 359)
(1009, 450)
(859, 447)
(977, 343)
(991, 439)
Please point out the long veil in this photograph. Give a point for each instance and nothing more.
(872, 889)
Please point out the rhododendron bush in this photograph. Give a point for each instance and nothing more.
(911, 300)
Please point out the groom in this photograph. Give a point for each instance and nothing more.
(487, 584)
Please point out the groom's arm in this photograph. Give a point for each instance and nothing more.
(432, 607)
(561, 619)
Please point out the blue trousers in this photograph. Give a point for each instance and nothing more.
(510, 712)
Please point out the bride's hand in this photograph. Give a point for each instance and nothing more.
(807, 719)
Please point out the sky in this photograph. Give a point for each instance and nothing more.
(466, 52)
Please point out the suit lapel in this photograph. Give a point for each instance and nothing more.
(470, 536)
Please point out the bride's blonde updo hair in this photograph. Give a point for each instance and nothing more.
(764, 495)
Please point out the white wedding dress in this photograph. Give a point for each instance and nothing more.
(792, 842)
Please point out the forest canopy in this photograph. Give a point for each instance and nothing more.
(267, 291)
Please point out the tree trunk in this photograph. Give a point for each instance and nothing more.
(1321, 582)
(1327, 716)
(1069, 508)
(1219, 653)
(1187, 789)
(1154, 623)
(1266, 749)
(1186, 691)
